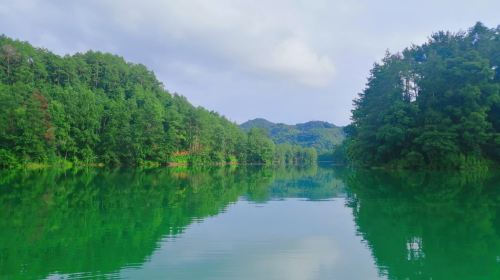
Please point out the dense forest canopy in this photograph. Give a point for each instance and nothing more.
(322, 136)
(95, 107)
(436, 105)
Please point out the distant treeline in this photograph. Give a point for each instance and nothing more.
(436, 105)
(322, 136)
(96, 108)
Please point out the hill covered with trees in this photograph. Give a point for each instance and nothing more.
(322, 136)
(436, 105)
(96, 108)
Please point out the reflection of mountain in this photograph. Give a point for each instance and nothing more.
(95, 222)
(100, 221)
(318, 185)
(429, 226)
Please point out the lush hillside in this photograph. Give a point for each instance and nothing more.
(322, 136)
(96, 108)
(436, 105)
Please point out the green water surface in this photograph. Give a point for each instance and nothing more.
(249, 223)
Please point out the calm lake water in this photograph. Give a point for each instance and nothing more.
(249, 223)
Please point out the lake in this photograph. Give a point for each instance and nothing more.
(320, 222)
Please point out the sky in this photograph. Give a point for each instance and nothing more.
(286, 61)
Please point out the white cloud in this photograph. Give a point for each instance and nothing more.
(298, 53)
(255, 38)
(297, 60)
(301, 262)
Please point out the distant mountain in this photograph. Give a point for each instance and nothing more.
(321, 135)
(258, 122)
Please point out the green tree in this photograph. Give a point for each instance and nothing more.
(434, 105)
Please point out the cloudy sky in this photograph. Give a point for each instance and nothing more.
(287, 61)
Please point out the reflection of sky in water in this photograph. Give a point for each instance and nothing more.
(313, 226)
(289, 239)
(414, 247)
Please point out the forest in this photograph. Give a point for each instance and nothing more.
(96, 108)
(324, 137)
(435, 105)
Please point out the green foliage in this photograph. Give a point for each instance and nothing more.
(7, 159)
(435, 105)
(95, 108)
(260, 147)
(322, 136)
(295, 155)
(262, 150)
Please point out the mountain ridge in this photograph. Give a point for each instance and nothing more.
(321, 135)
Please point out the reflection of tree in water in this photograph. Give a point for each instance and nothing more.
(428, 225)
(100, 221)
(312, 184)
